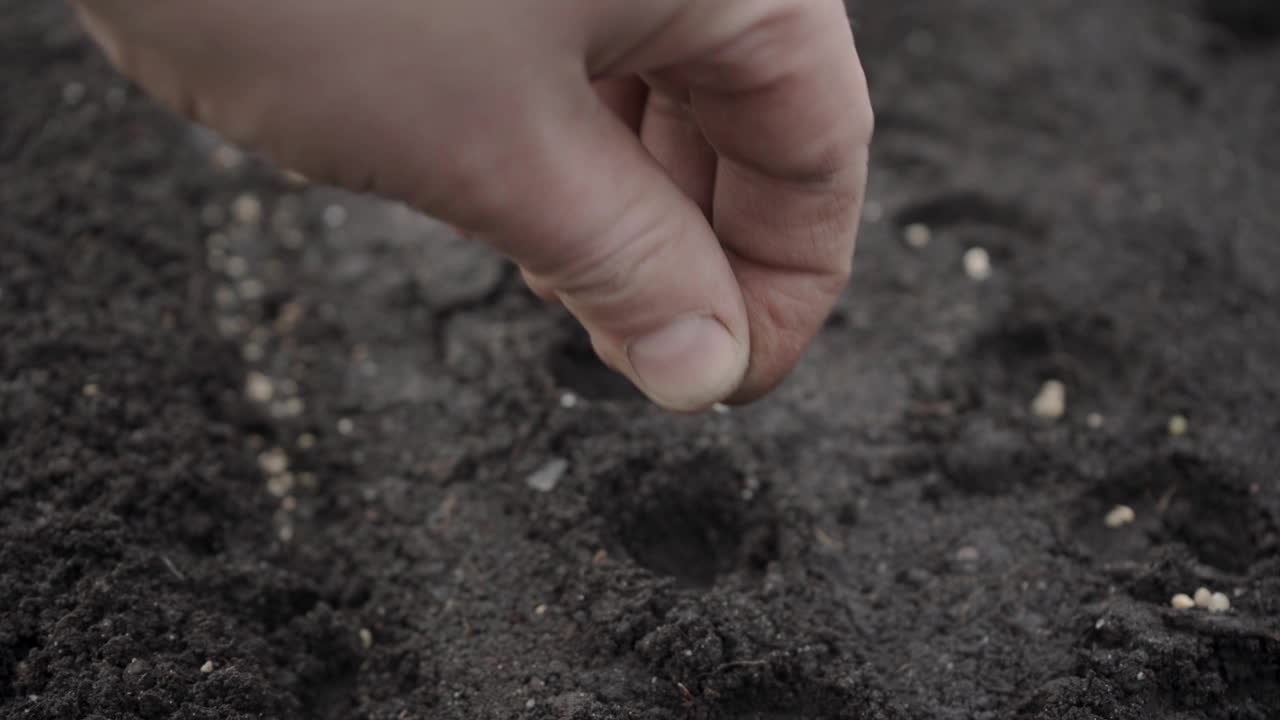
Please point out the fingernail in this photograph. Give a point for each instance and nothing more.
(688, 365)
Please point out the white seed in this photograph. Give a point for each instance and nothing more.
(259, 387)
(207, 667)
(247, 209)
(1051, 402)
(334, 216)
(568, 400)
(1178, 425)
(540, 610)
(1093, 420)
(273, 461)
(917, 235)
(345, 426)
(1182, 601)
(977, 264)
(366, 638)
(544, 479)
(1202, 597)
(1119, 516)
(1219, 603)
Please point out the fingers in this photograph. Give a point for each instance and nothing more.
(787, 109)
(671, 133)
(632, 258)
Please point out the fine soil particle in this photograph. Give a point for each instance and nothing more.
(893, 534)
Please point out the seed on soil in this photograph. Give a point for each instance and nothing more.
(366, 638)
(1182, 601)
(568, 400)
(1051, 402)
(247, 209)
(236, 267)
(273, 461)
(306, 441)
(258, 387)
(334, 216)
(977, 264)
(1202, 597)
(1178, 425)
(1219, 603)
(1094, 420)
(545, 478)
(207, 667)
(345, 426)
(90, 390)
(1119, 516)
(917, 235)
(540, 610)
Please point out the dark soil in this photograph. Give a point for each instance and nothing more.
(893, 534)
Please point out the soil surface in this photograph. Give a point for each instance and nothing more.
(273, 451)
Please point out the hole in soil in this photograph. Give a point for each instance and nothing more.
(575, 366)
(688, 520)
(1181, 498)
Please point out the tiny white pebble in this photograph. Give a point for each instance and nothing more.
(977, 264)
(1182, 601)
(720, 408)
(345, 426)
(530, 704)
(1141, 675)
(259, 387)
(1051, 402)
(90, 390)
(335, 216)
(247, 209)
(366, 638)
(273, 461)
(1178, 425)
(917, 235)
(207, 667)
(1093, 420)
(73, 93)
(568, 400)
(544, 479)
(967, 553)
(1120, 516)
(540, 610)
(1219, 603)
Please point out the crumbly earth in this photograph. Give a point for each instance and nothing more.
(894, 534)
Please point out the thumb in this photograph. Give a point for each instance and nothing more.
(606, 231)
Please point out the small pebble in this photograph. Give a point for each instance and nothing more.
(545, 478)
(207, 667)
(1182, 601)
(967, 554)
(568, 401)
(285, 533)
(1093, 420)
(1120, 516)
(1051, 402)
(247, 209)
(345, 426)
(334, 216)
(917, 235)
(540, 610)
(530, 704)
(1202, 597)
(1219, 603)
(258, 387)
(90, 390)
(366, 638)
(720, 408)
(977, 264)
(1178, 425)
(273, 461)
(280, 485)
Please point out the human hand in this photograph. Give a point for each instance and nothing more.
(685, 176)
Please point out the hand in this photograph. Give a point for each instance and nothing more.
(685, 176)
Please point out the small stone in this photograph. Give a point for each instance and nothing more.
(345, 426)
(90, 390)
(967, 554)
(720, 409)
(1093, 420)
(1182, 601)
(366, 638)
(247, 209)
(207, 667)
(568, 401)
(1219, 603)
(334, 216)
(530, 704)
(544, 479)
(273, 461)
(1051, 402)
(1178, 425)
(280, 485)
(259, 388)
(285, 533)
(977, 264)
(1202, 597)
(540, 610)
(917, 235)
(1119, 516)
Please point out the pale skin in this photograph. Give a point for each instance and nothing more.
(684, 176)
